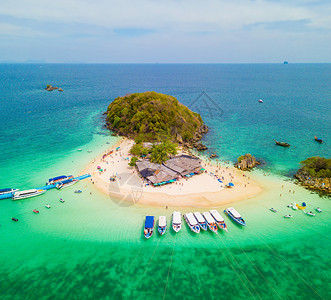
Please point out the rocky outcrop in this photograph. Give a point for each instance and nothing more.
(314, 183)
(52, 88)
(246, 162)
(200, 146)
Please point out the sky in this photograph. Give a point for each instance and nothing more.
(165, 31)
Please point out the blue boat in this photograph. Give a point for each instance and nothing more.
(149, 226)
(58, 179)
(235, 216)
(7, 191)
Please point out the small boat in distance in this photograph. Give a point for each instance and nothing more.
(235, 216)
(192, 222)
(219, 219)
(15, 219)
(36, 211)
(318, 139)
(260, 101)
(7, 191)
(27, 194)
(288, 216)
(162, 225)
(58, 179)
(282, 144)
(310, 214)
(149, 226)
(61, 200)
(273, 210)
(66, 183)
(210, 221)
(78, 191)
(318, 210)
(201, 221)
(47, 206)
(176, 221)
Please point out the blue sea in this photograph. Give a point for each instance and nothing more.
(90, 248)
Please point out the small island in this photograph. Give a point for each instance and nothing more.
(153, 163)
(315, 174)
(246, 162)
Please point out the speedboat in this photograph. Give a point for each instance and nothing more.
(235, 216)
(78, 191)
(176, 221)
(288, 216)
(47, 206)
(210, 221)
(7, 191)
(310, 214)
(318, 210)
(15, 219)
(201, 221)
(219, 219)
(192, 222)
(273, 210)
(28, 193)
(149, 226)
(318, 139)
(61, 200)
(66, 183)
(260, 101)
(36, 211)
(294, 206)
(58, 179)
(290, 205)
(162, 225)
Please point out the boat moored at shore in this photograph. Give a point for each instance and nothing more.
(28, 194)
(66, 183)
(162, 225)
(176, 221)
(149, 226)
(201, 221)
(210, 221)
(219, 219)
(7, 191)
(235, 216)
(192, 222)
(58, 179)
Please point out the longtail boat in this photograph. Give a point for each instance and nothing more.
(318, 139)
(282, 144)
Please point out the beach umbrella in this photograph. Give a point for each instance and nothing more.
(231, 184)
(98, 167)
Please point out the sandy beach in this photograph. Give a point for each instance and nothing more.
(203, 190)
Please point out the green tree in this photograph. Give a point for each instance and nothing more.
(161, 152)
(133, 161)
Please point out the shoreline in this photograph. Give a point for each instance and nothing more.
(203, 190)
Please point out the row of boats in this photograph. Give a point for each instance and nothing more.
(196, 221)
(302, 207)
(60, 182)
(319, 140)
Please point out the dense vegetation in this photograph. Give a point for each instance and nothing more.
(317, 167)
(152, 116)
(158, 153)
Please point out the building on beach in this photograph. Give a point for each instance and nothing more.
(173, 168)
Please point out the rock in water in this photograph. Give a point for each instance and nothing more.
(246, 162)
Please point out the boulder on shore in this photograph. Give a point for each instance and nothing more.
(246, 162)
(200, 146)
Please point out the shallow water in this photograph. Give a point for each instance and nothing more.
(92, 246)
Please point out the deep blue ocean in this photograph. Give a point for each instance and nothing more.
(92, 248)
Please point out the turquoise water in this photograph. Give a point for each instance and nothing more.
(91, 246)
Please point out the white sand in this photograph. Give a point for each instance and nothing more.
(203, 190)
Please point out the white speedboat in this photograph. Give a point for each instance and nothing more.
(310, 214)
(7, 191)
(288, 216)
(61, 200)
(27, 194)
(235, 216)
(192, 222)
(162, 225)
(210, 221)
(47, 206)
(59, 179)
(219, 219)
(201, 220)
(66, 183)
(176, 221)
(318, 210)
(294, 206)
(272, 209)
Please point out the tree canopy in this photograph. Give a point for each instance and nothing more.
(317, 166)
